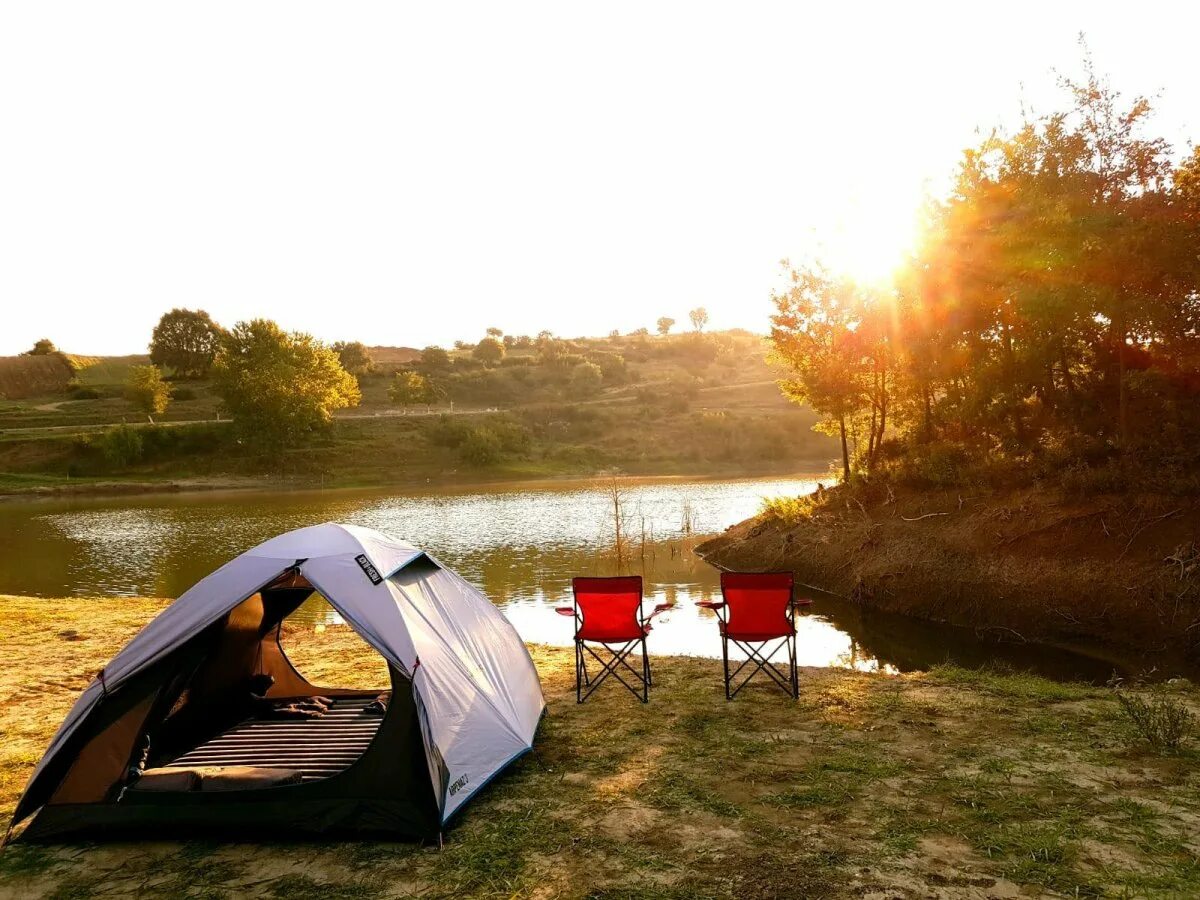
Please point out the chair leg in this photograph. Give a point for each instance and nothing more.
(578, 673)
(725, 660)
(645, 673)
(795, 672)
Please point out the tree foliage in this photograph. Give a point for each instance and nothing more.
(489, 351)
(147, 389)
(411, 389)
(434, 361)
(664, 325)
(699, 317)
(186, 342)
(1053, 301)
(354, 357)
(44, 347)
(280, 386)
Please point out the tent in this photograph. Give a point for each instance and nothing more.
(465, 702)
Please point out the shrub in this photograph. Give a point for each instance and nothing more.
(788, 510)
(1158, 718)
(83, 392)
(121, 446)
(482, 447)
(183, 393)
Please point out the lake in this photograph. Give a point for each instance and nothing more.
(520, 543)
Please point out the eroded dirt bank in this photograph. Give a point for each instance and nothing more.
(1028, 565)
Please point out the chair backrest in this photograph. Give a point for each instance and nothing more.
(757, 603)
(608, 604)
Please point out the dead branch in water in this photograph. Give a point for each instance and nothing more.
(926, 516)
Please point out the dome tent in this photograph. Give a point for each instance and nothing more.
(465, 702)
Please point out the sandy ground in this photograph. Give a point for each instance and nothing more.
(949, 784)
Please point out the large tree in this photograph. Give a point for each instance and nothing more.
(699, 317)
(489, 351)
(280, 386)
(824, 332)
(664, 324)
(355, 357)
(186, 342)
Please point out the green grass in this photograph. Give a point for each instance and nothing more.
(843, 794)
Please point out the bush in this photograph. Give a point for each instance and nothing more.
(482, 447)
(121, 446)
(788, 510)
(83, 392)
(1158, 718)
(183, 393)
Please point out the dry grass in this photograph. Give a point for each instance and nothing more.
(33, 376)
(952, 784)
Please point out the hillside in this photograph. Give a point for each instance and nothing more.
(684, 404)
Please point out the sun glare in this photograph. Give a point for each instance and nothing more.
(870, 239)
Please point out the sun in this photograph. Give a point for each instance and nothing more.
(868, 240)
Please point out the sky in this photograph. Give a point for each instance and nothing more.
(413, 173)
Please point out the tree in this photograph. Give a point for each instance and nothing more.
(146, 388)
(699, 317)
(355, 357)
(186, 341)
(813, 332)
(44, 347)
(495, 332)
(489, 351)
(586, 379)
(410, 389)
(664, 325)
(434, 360)
(280, 386)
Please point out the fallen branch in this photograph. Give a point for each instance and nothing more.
(926, 516)
(1142, 527)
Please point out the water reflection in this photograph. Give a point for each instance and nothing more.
(521, 545)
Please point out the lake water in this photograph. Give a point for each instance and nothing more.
(521, 544)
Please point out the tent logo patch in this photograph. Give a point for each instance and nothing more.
(368, 567)
(459, 785)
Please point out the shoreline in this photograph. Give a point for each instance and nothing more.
(1032, 565)
(474, 480)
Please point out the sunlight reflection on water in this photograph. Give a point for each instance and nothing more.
(521, 545)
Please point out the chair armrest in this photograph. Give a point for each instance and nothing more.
(662, 607)
(711, 604)
(802, 601)
(565, 610)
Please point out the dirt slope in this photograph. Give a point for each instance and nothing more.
(1030, 564)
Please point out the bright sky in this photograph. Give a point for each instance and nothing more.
(413, 173)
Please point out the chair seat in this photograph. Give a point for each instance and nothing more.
(755, 636)
(611, 635)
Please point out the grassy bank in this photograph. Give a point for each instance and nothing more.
(537, 442)
(1025, 563)
(950, 784)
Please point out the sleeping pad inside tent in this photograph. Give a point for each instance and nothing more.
(202, 723)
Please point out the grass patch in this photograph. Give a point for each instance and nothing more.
(1005, 682)
(850, 791)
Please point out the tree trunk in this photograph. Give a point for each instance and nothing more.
(845, 449)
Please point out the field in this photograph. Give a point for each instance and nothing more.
(950, 784)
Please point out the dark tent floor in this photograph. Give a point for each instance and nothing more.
(318, 747)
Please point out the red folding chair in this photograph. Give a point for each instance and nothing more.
(758, 609)
(608, 612)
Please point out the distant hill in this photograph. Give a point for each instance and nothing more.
(33, 376)
(393, 356)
